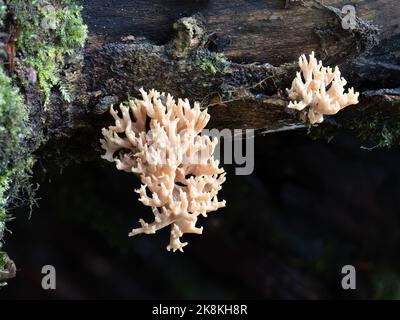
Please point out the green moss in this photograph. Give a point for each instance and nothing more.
(7, 268)
(3, 261)
(380, 128)
(376, 127)
(3, 12)
(380, 133)
(212, 62)
(190, 34)
(3, 220)
(3, 266)
(48, 32)
(15, 160)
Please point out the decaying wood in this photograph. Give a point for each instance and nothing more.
(135, 44)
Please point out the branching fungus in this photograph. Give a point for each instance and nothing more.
(319, 88)
(159, 139)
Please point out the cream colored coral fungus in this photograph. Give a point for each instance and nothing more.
(159, 139)
(309, 88)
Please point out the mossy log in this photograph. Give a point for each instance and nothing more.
(236, 57)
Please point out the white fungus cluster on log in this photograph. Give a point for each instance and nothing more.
(159, 139)
(320, 89)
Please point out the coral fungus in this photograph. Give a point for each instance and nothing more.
(163, 146)
(313, 92)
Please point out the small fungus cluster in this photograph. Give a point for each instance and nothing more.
(319, 88)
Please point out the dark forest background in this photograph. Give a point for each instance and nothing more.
(309, 208)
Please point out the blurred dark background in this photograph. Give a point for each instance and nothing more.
(309, 208)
